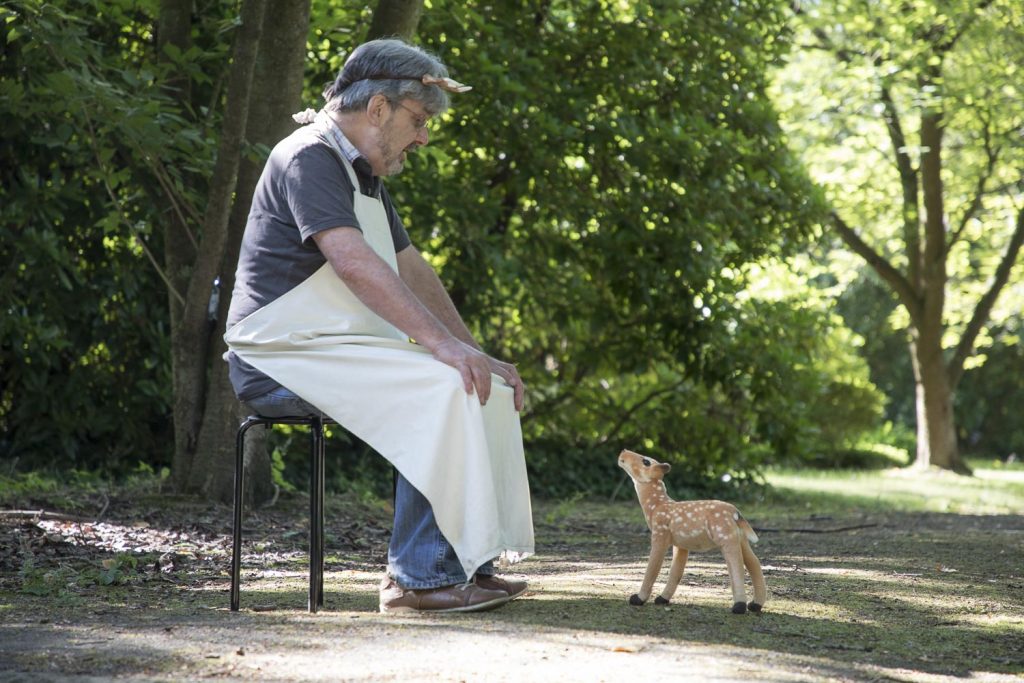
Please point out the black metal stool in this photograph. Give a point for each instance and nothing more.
(316, 503)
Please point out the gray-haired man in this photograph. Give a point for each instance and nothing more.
(329, 290)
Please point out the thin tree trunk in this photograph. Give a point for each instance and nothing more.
(395, 18)
(190, 338)
(174, 28)
(276, 94)
(922, 288)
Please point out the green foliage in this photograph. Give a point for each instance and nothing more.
(65, 580)
(588, 204)
(89, 137)
(591, 205)
(988, 426)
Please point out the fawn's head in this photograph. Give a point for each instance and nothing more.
(642, 469)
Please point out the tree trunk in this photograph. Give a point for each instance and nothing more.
(928, 241)
(395, 18)
(936, 433)
(190, 338)
(174, 28)
(276, 94)
(936, 430)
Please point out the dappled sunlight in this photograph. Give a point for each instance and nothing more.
(989, 492)
(138, 536)
(853, 595)
(1016, 476)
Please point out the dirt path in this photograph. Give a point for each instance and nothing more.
(143, 597)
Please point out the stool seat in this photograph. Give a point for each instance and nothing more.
(316, 502)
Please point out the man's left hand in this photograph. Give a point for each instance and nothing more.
(508, 373)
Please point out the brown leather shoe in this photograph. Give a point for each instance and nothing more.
(463, 597)
(513, 589)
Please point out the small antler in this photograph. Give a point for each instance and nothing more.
(449, 84)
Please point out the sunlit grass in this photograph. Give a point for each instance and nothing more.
(995, 488)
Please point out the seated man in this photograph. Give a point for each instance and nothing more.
(328, 293)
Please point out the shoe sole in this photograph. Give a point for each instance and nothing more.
(481, 607)
(512, 596)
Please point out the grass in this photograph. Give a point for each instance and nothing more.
(995, 488)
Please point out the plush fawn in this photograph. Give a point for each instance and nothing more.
(691, 525)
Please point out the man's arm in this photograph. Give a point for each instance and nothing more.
(384, 292)
(421, 279)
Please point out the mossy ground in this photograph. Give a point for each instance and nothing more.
(890, 575)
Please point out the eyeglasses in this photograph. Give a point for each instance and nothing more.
(419, 120)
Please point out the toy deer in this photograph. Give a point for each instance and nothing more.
(691, 525)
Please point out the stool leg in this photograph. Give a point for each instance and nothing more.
(314, 506)
(236, 532)
(320, 516)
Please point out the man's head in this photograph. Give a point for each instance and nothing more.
(382, 86)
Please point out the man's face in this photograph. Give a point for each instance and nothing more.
(402, 132)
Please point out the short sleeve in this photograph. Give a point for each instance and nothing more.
(318, 192)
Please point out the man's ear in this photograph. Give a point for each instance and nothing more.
(377, 109)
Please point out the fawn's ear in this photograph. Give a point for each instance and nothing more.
(664, 467)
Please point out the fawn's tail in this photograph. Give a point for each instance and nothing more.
(748, 531)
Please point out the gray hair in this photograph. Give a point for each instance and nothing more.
(388, 67)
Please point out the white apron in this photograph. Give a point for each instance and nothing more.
(324, 344)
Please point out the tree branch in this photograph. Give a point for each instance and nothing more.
(979, 193)
(626, 416)
(985, 304)
(943, 47)
(904, 289)
(908, 183)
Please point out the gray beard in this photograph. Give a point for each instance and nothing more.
(393, 163)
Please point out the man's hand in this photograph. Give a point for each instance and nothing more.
(508, 372)
(473, 365)
(476, 367)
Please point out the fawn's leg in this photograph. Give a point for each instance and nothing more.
(756, 576)
(659, 544)
(734, 561)
(675, 573)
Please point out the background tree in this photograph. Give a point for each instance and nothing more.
(191, 336)
(276, 94)
(916, 138)
(603, 228)
(395, 18)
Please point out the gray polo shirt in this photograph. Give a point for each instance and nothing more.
(303, 190)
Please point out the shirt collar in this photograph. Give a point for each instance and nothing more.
(370, 183)
(346, 146)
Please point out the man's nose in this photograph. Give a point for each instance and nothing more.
(423, 136)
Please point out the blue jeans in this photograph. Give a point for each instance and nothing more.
(419, 556)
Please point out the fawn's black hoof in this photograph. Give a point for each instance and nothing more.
(635, 600)
(739, 608)
(660, 601)
(754, 607)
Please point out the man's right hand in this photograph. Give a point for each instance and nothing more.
(474, 365)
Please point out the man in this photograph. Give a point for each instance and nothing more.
(328, 293)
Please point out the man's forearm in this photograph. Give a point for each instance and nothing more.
(380, 288)
(426, 285)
